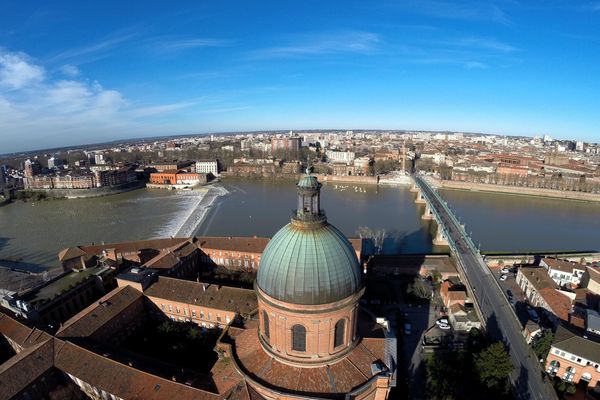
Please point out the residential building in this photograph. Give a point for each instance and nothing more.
(573, 358)
(541, 291)
(286, 144)
(564, 273)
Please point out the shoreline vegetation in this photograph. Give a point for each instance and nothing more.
(517, 191)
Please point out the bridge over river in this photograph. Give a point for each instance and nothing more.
(492, 306)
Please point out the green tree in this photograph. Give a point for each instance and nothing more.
(541, 345)
(493, 366)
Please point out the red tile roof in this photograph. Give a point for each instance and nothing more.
(89, 320)
(24, 368)
(559, 304)
(341, 377)
(122, 380)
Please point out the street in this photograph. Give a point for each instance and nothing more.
(499, 318)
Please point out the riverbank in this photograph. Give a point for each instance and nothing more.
(515, 190)
(70, 194)
(363, 180)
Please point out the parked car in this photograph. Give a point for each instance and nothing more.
(407, 328)
(443, 320)
(509, 293)
(444, 326)
(503, 277)
(504, 270)
(533, 314)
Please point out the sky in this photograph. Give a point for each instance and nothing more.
(84, 72)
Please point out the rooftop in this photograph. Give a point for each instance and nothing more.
(538, 277)
(55, 287)
(574, 344)
(233, 243)
(329, 381)
(99, 313)
(227, 298)
(563, 265)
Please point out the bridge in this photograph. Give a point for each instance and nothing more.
(491, 305)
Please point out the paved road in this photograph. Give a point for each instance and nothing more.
(500, 320)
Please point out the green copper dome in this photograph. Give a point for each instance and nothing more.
(309, 261)
(309, 182)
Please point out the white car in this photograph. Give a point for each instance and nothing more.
(444, 326)
(442, 321)
(504, 270)
(503, 277)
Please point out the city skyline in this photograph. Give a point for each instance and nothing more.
(73, 74)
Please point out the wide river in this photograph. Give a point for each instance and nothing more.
(35, 232)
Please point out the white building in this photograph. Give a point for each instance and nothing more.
(564, 273)
(345, 157)
(207, 167)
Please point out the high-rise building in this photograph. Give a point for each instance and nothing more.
(286, 144)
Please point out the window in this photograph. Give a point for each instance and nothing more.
(266, 332)
(162, 306)
(170, 308)
(218, 318)
(338, 338)
(202, 314)
(569, 374)
(193, 313)
(178, 310)
(298, 338)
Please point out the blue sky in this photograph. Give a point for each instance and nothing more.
(84, 72)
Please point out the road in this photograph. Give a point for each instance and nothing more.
(501, 322)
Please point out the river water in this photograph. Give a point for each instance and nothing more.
(35, 232)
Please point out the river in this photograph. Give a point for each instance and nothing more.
(35, 232)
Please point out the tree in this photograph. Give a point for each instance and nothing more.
(493, 366)
(419, 290)
(541, 346)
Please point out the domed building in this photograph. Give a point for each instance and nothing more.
(308, 286)
(311, 340)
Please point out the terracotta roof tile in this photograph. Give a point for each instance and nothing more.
(558, 302)
(89, 320)
(227, 298)
(121, 380)
(233, 243)
(25, 367)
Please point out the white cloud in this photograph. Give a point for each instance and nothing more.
(37, 111)
(331, 43)
(17, 71)
(70, 70)
(183, 44)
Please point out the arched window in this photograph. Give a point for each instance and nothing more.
(338, 336)
(298, 338)
(266, 331)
